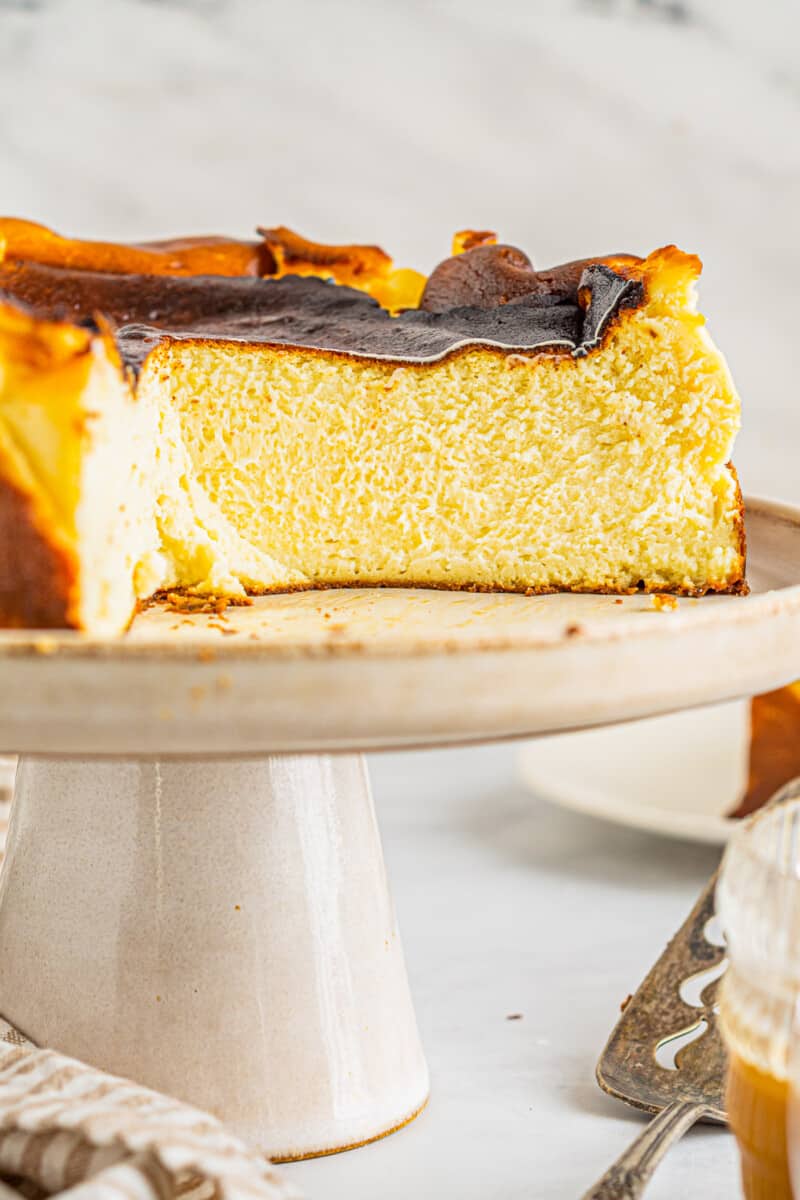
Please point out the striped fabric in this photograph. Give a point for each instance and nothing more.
(68, 1128)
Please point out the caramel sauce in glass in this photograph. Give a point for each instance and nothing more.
(758, 1106)
(758, 903)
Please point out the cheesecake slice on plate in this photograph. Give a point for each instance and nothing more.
(230, 418)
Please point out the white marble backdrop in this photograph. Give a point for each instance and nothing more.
(572, 127)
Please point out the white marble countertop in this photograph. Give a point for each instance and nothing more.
(573, 128)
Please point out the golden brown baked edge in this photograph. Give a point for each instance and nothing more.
(39, 574)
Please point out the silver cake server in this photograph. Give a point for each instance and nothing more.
(676, 1002)
(655, 1016)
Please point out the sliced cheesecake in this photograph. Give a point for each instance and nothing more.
(235, 418)
(773, 747)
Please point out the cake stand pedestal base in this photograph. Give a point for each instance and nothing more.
(220, 930)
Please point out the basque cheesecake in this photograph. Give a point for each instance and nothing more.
(238, 417)
(773, 747)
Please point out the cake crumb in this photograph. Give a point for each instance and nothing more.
(45, 645)
(618, 600)
(573, 630)
(663, 603)
(194, 602)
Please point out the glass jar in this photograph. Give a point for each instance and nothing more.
(758, 902)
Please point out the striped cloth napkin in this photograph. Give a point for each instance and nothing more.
(71, 1130)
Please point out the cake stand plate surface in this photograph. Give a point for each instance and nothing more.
(362, 669)
(194, 893)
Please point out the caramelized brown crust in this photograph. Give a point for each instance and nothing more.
(38, 573)
(29, 242)
(296, 255)
(279, 252)
(483, 274)
(56, 293)
(487, 275)
(508, 303)
(741, 587)
(467, 239)
(307, 312)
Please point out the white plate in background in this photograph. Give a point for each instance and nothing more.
(678, 775)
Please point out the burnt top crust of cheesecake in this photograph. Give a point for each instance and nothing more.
(488, 295)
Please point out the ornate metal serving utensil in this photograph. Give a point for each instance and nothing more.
(675, 1004)
(674, 1007)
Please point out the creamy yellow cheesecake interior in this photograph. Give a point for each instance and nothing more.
(234, 465)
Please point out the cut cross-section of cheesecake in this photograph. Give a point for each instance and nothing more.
(254, 428)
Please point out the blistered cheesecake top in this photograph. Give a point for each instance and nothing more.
(281, 289)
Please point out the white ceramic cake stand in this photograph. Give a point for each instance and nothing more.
(194, 893)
